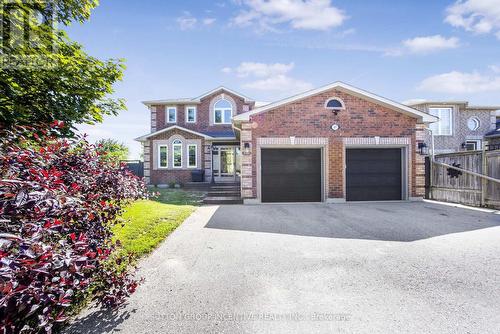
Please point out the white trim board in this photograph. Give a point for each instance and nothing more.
(420, 115)
(146, 137)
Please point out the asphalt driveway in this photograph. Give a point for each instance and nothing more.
(348, 268)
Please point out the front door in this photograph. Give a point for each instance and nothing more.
(226, 162)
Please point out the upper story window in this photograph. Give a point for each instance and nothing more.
(177, 154)
(444, 126)
(473, 123)
(223, 112)
(171, 115)
(191, 114)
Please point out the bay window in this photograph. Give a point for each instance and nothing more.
(192, 155)
(177, 154)
(163, 156)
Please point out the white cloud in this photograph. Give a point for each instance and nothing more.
(187, 21)
(456, 82)
(262, 70)
(209, 21)
(479, 16)
(428, 44)
(300, 14)
(423, 45)
(269, 77)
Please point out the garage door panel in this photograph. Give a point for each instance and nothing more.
(374, 180)
(373, 174)
(291, 175)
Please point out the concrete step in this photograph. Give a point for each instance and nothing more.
(224, 188)
(222, 193)
(223, 200)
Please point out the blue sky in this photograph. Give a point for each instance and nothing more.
(270, 49)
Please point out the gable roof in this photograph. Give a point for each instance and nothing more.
(247, 99)
(208, 135)
(197, 100)
(420, 115)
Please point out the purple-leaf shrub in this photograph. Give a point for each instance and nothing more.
(58, 202)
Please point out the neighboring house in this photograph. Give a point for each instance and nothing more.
(331, 144)
(493, 137)
(461, 127)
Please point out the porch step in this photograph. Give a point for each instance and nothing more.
(219, 193)
(223, 200)
(224, 189)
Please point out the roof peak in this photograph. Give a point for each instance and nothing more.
(196, 100)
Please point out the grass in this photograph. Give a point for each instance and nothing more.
(149, 222)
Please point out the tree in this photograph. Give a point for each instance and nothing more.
(112, 151)
(50, 77)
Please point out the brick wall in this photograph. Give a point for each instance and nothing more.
(309, 118)
(204, 110)
(166, 176)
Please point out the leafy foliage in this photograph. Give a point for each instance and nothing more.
(112, 151)
(51, 77)
(58, 204)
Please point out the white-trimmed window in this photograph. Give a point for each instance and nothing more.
(162, 156)
(223, 112)
(171, 115)
(191, 114)
(473, 123)
(192, 156)
(335, 104)
(177, 154)
(443, 127)
(473, 144)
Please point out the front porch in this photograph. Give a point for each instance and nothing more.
(222, 162)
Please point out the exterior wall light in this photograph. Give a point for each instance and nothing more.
(246, 149)
(422, 148)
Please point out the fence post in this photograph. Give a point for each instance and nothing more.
(484, 171)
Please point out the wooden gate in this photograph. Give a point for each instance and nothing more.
(465, 188)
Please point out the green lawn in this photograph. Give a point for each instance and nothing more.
(149, 222)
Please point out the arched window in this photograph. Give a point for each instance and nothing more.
(223, 112)
(335, 104)
(177, 153)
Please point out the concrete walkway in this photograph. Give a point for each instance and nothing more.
(349, 268)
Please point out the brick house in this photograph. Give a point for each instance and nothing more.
(330, 144)
(461, 126)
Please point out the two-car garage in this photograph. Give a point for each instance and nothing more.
(297, 174)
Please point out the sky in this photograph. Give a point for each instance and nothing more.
(270, 49)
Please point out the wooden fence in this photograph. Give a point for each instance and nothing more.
(466, 188)
(135, 166)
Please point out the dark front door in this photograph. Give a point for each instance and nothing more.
(373, 174)
(291, 175)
